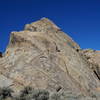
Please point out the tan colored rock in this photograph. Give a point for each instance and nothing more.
(5, 82)
(44, 57)
(93, 57)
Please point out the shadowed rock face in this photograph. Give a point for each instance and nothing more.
(42, 56)
(0, 54)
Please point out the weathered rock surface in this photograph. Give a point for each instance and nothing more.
(94, 58)
(44, 57)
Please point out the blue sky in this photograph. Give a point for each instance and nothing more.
(79, 18)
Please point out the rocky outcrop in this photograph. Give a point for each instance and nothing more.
(44, 57)
(93, 57)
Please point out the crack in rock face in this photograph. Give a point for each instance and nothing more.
(93, 58)
(44, 57)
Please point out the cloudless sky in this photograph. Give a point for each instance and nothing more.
(78, 18)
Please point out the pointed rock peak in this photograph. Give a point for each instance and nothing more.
(43, 25)
(44, 18)
(48, 21)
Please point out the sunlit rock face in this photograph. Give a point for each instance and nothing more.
(93, 58)
(44, 57)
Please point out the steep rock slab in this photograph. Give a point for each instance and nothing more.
(44, 57)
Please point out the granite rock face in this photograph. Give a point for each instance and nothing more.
(93, 58)
(44, 57)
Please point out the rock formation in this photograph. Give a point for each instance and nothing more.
(44, 57)
(93, 58)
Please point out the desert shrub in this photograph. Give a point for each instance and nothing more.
(25, 94)
(5, 93)
(29, 93)
(26, 91)
(55, 96)
(58, 96)
(41, 95)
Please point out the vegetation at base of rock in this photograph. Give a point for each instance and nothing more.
(5, 93)
(29, 93)
(44, 56)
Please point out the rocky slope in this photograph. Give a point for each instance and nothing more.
(44, 57)
(93, 58)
